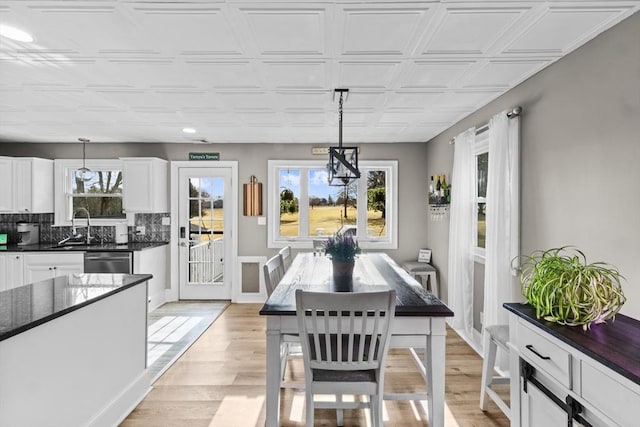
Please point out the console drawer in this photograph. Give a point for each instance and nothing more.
(544, 354)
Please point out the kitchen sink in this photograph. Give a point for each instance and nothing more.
(69, 247)
(75, 245)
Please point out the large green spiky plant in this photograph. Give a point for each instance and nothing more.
(564, 289)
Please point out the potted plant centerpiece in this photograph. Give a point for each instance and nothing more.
(343, 250)
(564, 289)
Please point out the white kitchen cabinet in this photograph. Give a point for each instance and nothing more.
(27, 185)
(153, 261)
(11, 270)
(6, 184)
(45, 265)
(145, 185)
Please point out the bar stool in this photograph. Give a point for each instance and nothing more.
(494, 336)
(426, 273)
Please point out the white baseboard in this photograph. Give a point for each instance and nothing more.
(502, 365)
(170, 295)
(156, 300)
(250, 299)
(475, 342)
(118, 409)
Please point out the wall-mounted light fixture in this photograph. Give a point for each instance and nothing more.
(343, 161)
(252, 197)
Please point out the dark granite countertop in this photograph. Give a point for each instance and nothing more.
(99, 247)
(28, 306)
(615, 344)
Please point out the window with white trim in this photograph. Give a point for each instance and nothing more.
(100, 192)
(303, 206)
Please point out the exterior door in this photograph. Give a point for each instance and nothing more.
(204, 230)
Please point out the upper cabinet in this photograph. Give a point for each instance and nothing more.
(145, 185)
(27, 185)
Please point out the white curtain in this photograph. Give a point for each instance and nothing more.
(503, 231)
(462, 216)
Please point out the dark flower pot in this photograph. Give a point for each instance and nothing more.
(343, 275)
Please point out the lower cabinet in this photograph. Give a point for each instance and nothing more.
(153, 261)
(539, 410)
(11, 270)
(45, 265)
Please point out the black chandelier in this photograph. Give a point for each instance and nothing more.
(343, 161)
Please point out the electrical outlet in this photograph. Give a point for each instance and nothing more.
(482, 318)
(140, 229)
(166, 220)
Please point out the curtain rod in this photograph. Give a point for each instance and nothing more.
(514, 112)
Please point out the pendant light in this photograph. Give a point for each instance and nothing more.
(84, 173)
(343, 161)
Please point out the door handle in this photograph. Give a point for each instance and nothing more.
(183, 244)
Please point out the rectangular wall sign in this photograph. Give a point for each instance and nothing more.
(204, 156)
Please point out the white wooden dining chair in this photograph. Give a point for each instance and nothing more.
(290, 346)
(287, 258)
(346, 345)
(273, 272)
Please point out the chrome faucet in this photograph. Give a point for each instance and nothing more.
(73, 223)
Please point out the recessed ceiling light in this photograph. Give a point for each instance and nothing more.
(15, 34)
(188, 130)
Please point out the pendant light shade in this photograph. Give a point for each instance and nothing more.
(343, 161)
(84, 173)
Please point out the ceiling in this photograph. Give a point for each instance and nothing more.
(265, 71)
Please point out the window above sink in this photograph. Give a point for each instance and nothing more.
(100, 193)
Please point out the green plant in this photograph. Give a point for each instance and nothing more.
(342, 247)
(564, 289)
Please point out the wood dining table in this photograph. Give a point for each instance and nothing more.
(419, 322)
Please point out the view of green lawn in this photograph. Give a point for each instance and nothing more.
(211, 220)
(326, 220)
(323, 220)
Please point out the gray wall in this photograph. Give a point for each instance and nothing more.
(252, 160)
(580, 164)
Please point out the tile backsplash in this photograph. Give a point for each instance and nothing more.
(155, 231)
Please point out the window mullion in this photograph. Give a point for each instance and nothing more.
(303, 203)
(361, 201)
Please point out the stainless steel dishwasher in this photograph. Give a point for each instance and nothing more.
(108, 262)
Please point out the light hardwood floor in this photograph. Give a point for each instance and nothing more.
(220, 382)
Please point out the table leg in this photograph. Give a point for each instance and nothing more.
(435, 354)
(273, 378)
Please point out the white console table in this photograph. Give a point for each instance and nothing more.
(561, 373)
